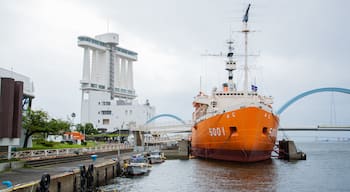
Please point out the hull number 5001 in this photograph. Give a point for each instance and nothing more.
(214, 132)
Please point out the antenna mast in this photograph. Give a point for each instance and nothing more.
(230, 66)
(246, 31)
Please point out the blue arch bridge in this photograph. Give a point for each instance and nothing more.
(185, 126)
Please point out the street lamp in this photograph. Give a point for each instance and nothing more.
(119, 138)
(73, 116)
(118, 142)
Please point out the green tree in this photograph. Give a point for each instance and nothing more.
(88, 128)
(39, 122)
(58, 126)
(34, 122)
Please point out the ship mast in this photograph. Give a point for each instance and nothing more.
(246, 31)
(230, 66)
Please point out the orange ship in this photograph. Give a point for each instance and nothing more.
(234, 125)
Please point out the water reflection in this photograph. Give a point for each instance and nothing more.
(231, 176)
(326, 169)
(202, 175)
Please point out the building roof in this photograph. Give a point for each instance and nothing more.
(28, 86)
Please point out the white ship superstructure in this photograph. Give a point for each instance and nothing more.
(107, 85)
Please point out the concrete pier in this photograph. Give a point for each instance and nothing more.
(181, 152)
(288, 151)
(64, 177)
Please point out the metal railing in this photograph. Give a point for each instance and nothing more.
(164, 139)
(47, 153)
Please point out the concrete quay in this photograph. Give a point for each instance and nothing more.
(64, 177)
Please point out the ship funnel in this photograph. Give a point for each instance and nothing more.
(225, 87)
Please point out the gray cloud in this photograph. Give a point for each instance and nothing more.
(302, 45)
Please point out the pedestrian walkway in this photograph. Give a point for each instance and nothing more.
(27, 175)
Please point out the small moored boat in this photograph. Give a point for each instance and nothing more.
(156, 157)
(138, 166)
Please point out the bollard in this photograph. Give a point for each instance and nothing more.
(82, 178)
(75, 184)
(119, 169)
(58, 186)
(97, 179)
(90, 179)
(106, 176)
(113, 171)
(44, 183)
(93, 157)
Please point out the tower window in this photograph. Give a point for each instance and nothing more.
(85, 96)
(94, 85)
(106, 112)
(105, 121)
(106, 103)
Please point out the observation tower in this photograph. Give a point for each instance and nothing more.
(108, 94)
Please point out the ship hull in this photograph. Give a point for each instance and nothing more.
(244, 135)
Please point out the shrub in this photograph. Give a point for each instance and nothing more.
(40, 141)
(7, 160)
(45, 143)
(48, 143)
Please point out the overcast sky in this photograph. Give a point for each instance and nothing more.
(302, 45)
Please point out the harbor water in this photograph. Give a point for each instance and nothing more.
(327, 168)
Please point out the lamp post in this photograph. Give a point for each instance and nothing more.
(73, 116)
(118, 143)
(119, 138)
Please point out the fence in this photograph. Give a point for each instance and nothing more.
(51, 153)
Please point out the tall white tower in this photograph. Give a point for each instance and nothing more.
(107, 85)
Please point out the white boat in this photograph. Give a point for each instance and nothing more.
(138, 166)
(156, 157)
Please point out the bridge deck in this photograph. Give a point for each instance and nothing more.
(314, 129)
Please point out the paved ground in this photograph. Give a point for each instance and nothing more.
(26, 175)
